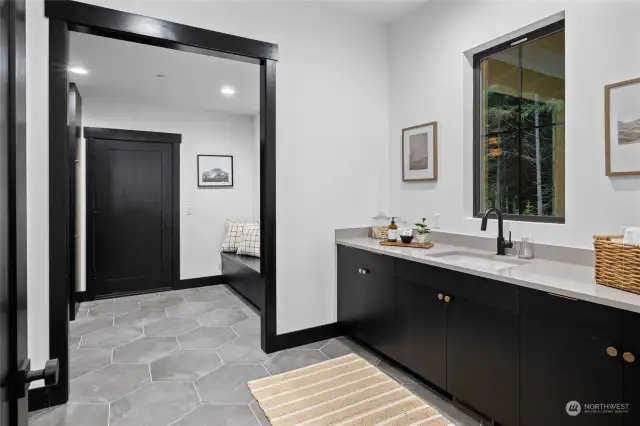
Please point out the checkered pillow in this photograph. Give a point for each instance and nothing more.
(250, 244)
(234, 236)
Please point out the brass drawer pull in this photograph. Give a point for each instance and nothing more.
(612, 352)
(365, 271)
(629, 357)
(440, 296)
(447, 299)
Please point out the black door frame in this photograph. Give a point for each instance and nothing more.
(65, 16)
(13, 217)
(93, 133)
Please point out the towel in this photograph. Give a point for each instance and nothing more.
(631, 236)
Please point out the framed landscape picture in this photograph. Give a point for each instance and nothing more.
(622, 128)
(215, 171)
(420, 153)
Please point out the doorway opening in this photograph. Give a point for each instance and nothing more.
(65, 18)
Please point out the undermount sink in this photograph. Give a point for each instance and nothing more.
(490, 262)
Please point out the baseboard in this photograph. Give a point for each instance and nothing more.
(306, 336)
(200, 282)
(39, 399)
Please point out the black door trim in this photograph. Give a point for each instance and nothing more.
(175, 139)
(131, 135)
(65, 16)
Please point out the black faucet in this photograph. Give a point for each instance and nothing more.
(502, 244)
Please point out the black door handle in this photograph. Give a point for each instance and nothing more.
(49, 373)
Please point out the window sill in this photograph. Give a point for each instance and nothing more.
(533, 219)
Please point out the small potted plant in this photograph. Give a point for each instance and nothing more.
(421, 231)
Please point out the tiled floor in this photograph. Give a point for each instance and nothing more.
(184, 358)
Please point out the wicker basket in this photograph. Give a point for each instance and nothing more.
(617, 265)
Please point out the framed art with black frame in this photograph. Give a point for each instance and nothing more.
(215, 171)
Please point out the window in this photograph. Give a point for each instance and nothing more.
(519, 107)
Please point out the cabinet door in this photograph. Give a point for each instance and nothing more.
(365, 300)
(563, 357)
(421, 331)
(631, 368)
(482, 358)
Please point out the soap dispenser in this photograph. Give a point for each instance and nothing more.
(392, 232)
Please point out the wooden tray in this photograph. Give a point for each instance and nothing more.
(401, 244)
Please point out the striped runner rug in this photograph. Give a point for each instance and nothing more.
(342, 391)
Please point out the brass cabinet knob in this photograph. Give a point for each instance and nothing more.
(440, 296)
(365, 272)
(611, 351)
(447, 299)
(360, 270)
(629, 357)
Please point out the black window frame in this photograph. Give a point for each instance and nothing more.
(477, 119)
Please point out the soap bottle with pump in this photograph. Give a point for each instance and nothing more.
(392, 232)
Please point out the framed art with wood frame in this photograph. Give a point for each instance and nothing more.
(420, 153)
(622, 128)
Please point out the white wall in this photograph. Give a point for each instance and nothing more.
(331, 141)
(201, 234)
(430, 80)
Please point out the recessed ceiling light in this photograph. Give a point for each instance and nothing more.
(228, 91)
(78, 70)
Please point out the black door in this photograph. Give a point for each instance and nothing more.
(569, 352)
(365, 295)
(422, 335)
(131, 215)
(482, 357)
(630, 358)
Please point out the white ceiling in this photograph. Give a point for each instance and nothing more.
(124, 70)
(382, 11)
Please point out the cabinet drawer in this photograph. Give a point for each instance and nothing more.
(489, 292)
(567, 311)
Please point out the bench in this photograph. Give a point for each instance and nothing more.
(242, 274)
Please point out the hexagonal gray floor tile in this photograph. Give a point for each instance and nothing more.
(257, 411)
(205, 295)
(248, 327)
(82, 326)
(251, 312)
(229, 302)
(206, 338)
(86, 360)
(158, 404)
(135, 299)
(171, 327)
(113, 310)
(161, 302)
(243, 350)
(109, 383)
(73, 415)
(292, 359)
(82, 313)
(185, 366)
(222, 318)
(342, 346)
(74, 343)
(189, 309)
(140, 318)
(111, 337)
(94, 303)
(228, 384)
(145, 350)
(220, 415)
(315, 345)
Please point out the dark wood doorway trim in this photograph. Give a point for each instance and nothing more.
(92, 133)
(65, 16)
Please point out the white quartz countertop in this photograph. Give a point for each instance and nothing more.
(565, 279)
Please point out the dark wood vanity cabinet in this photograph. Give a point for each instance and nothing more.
(365, 296)
(420, 342)
(513, 354)
(569, 351)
